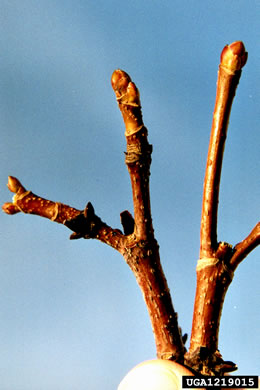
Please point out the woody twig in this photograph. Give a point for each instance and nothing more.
(137, 244)
(218, 260)
(142, 251)
(233, 58)
(84, 223)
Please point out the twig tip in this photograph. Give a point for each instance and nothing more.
(233, 56)
(120, 80)
(13, 184)
(10, 209)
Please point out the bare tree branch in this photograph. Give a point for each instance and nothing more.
(138, 155)
(217, 262)
(214, 273)
(84, 223)
(142, 252)
(233, 58)
(137, 244)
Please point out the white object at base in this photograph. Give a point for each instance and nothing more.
(155, 375)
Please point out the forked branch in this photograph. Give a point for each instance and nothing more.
(137, 243)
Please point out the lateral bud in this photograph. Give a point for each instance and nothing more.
(127, 222)
(10, 208)
(14, 185)
(89, 211)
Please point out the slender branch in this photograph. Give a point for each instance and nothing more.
(214, 271)
(233, 58)
(142, 252)
(84, 223)
(242, 249)
(138, 155)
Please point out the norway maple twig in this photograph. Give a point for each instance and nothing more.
(138, 245)
(138, 155)
(233, 58)
(214, 269)
(84, 223)
(142, 251)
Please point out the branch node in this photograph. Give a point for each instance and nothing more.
(208, 362)
(224, 251)
(206, 262)
(84, 225)
(138, 152)
(56, 211)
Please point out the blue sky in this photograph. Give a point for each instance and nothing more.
(72, 316)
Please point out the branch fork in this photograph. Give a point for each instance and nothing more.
(137, 244)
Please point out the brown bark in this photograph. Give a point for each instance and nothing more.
(233, 57)
(84, 223)
(217, 260)
(137, 243)
(142, 252)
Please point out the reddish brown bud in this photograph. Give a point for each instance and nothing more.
(10, 208)
(14, 185)
(120, 81)
(128, 99)
(133, 94)
(233, 56)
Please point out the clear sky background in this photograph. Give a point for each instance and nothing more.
(71, 314)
